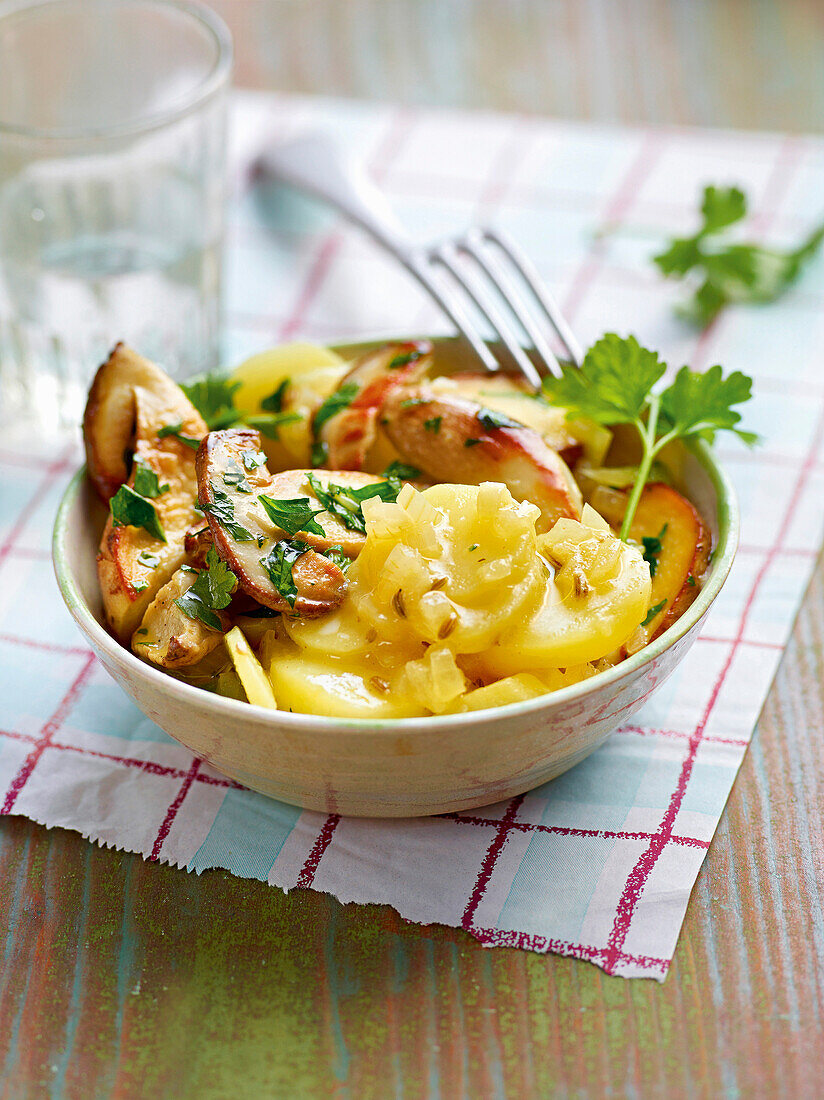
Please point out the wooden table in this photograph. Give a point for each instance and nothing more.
(130, 979)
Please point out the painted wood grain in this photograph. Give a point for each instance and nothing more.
(748, 63)
(127, 979)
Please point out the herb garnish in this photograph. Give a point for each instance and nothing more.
(404, 360)
(471, 442)
(151, 561)
(213, 397)
(336, 402)
(614, 386)
(336, 555)
(269, 424)
(146, 482)
(346, 503)
(279, 563)
(653, 611)
(175, 430)
(402, 471)
(130, 509)
(731, 272)
(223, 509)
(320, 452)
(653, 545)
(234, 476)
(492, 419)
(293, 515)
(433, 424)
(411, 402)
(274, 402)
(253, 460)
(211, 591)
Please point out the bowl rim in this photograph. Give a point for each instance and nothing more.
(721, 562)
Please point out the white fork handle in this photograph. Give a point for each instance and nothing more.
(315, 163)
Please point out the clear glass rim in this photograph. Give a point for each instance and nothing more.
(212, 83)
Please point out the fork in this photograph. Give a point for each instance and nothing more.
(481, 268)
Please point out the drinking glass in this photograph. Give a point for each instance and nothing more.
(112, 179)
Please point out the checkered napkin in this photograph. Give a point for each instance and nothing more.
(598, 864)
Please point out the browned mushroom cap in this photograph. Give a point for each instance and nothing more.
(110, 422)
(453, 439)
(351, 432)
(167, 636)
(232, 476)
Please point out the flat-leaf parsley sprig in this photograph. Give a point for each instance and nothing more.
(615, 385)
(731, 271)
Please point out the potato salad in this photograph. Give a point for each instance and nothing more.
(389, 538)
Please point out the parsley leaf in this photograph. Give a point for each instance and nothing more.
(653, 611)
(175, 430)
(130, 509)
(146, 482)
(274, 402)
(433, 424)
(151, 561)
(233, 475)
(730, 272)
(701, 404)
(405, 359)
(336, 555)
(320, 452)
(293, 515)
(223, 509)
(653, 545)
(211, 591)
(279, 563)
(213, 397)
(471, 442)
(336, 402)
(253, 460)
(492, 419)
(614, 385)
(411, 402)
(402, 471)
(269, 424)
(345, 503)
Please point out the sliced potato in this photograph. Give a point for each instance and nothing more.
(256, 683)
(244, 534)
(170, 638)
(684, 555)
(444, 437)
(132, 563)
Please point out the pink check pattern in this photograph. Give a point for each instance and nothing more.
(599, 864)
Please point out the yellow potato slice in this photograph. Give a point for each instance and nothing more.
(336, 689)
(512, 689)
(250, 672)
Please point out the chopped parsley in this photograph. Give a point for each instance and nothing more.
(411, 402)
(223, 509)
(175, 430)
(269, 424)
(433, 424)
(346, 503)
(130, 509)
(653, 611)
(146, 482)
(213, 395)
(336, 402)
(405, 359)
(253, 460)
(279, 563)
(471, 442)
(234, 476)
(402, 471)
(293, 515)
(474, 546)
(151, 561)
(274, 402)
(691, 581)
(336, 555)
(492, 419)
(653, 545)
(210, 592)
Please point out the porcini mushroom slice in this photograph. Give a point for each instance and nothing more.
(170, 638)
(133, 563)
(453, 439)
(110, 421)
(232, 477)
(349, 433)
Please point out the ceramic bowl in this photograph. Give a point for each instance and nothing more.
(403, 767)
